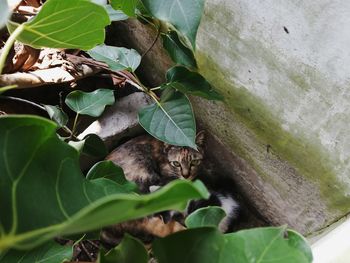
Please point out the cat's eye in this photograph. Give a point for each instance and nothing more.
(195, 162)
(175, 164)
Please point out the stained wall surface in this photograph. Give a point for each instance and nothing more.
(282, 131)
(284, 69)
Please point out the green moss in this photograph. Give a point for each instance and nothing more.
(308, 158)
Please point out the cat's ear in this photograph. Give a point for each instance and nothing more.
(200, 139)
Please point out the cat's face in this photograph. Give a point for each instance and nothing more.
(185, 162)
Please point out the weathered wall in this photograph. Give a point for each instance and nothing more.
(283, 68)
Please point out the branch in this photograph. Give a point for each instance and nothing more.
(46, 76)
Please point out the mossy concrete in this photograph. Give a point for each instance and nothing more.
(282, 131)
(286, 108)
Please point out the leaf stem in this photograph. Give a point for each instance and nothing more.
(8, 45)
(144, 89)
(74, 126)
(156, 88)
(154, 97)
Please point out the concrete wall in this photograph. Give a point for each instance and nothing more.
(284, 69)
(282, 132)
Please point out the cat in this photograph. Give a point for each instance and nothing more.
(150, 162)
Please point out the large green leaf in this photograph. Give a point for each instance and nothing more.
(117, 58)
(90, 103)
(206, 216)
(130, 250)
(178, 52)
(50, 252)
(264, 245)
(127, 6)
(4, 13)
(171, 120)
(44, 194)
(66, 24)
(190, 82)
(196, 245)
(185, 15)
(207, 245)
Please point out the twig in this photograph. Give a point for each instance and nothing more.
(153, 43)
(86, 251)
(24, 101)
(45, 77)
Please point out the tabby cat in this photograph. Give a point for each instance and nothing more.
(150, 162)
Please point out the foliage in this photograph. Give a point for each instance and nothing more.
(246, 246)
(190, 82)
(57, 25)
(117, 58)
(115, 15)
(51, 252)
(170, 120)
(178, 52)
(206, 216)
(127, 6)
(57, 115)
(90, 103)
(185, 16)
(69, 203)
(128, 251)
(42, 190)
(91, 145)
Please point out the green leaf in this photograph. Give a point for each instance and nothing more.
(65, 24)
(130, 250)
(115, 15)
(260, 245)
(127, 6)
(94, 146)
(206, 216)
(178, 52)
(190, 82)
(171, 120)
(57, 115)
(91, 145)
(44, 194)
(50, 252)
(108, 170)
(90, 103)
(299, 242)
(197, 245)
(185, 15)
(267, 245)
(117, 58)
(4, 13)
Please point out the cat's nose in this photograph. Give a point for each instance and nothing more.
(185, 173)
